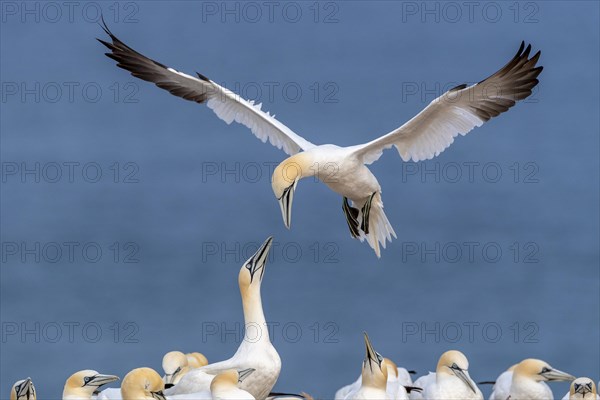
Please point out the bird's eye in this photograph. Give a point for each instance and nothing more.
(87, 379)
(454, 366)
(177, 370)
(545, 370)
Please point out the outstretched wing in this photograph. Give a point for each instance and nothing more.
(458, 111)
(226, 104)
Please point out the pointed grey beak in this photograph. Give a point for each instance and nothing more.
(258, 261)
(285, 203)
(463, 376)
(159, 395)
(243, 374)
(371, 354)
(101, 379)
(556, 375)
(26, 389)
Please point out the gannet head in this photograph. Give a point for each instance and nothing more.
(142, 384)
(284, 181)
(175, 365)
(252, 271)
(23, 390)
(538, 371)
(83, 384)
(196, 360)
(374, 370)
(582, 388)
(454, 363)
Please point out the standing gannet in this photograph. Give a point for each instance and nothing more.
(451, 380)
(344, 169)
(82, 384)
(23, 390)
(397, 379)
(582, 389)
(256, 351)
(374, 377)
(196, 360)
(528, 380)
(138, 384)
(175, 365)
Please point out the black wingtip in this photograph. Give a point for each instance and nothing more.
(486, 383)
(413, 389)
(412, 372)
(204, 78)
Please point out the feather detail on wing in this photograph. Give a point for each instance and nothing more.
(458, 111)
(226, 104)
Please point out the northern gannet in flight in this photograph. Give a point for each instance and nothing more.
(582, 389)
(23, 390)
(138, 384)
(501, 388)
(83, 384)
(255, 351)
(374, 377)
(344, 169)
(451, 380)
(529, 377)
(196, 360)
(175, 365)
(397, 381)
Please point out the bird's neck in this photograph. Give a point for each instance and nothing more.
(72, 393)
(254, 318)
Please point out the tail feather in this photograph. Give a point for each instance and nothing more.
(380, 229)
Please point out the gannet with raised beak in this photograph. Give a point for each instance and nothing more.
(196, 360)
(397, 379)
(344, 169)
(374, 377)
(255, 351)
(23, 390)
(529, 377)
(175, 365)
(451, 380)
(501, 388)
(582, 389)
(82, 384)
(138, 384)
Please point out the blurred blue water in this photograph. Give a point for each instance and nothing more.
(189, 229)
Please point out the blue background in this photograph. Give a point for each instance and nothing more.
(373, 55)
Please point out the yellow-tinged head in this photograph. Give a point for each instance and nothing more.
(175, 365)
(83, 384)
(228, 379)
(582, 388)
(253, 270)
(374, 370)
(392, 368)
(455, 363)
(196, 360)
(23, 390)
(539, 370)
(142, 384)
(284, 181)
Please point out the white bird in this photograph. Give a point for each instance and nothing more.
(196, 360)
(374, 377)
(225, 387)
(582, 389)
(256, 351)
(501, 388)
(175, 365)
(529, 377)
(451, 380)
(397, 380)
(23, 390)
(83, 384)
(344, 169)
(138, 384)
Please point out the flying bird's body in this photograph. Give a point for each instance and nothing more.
(344, 169)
